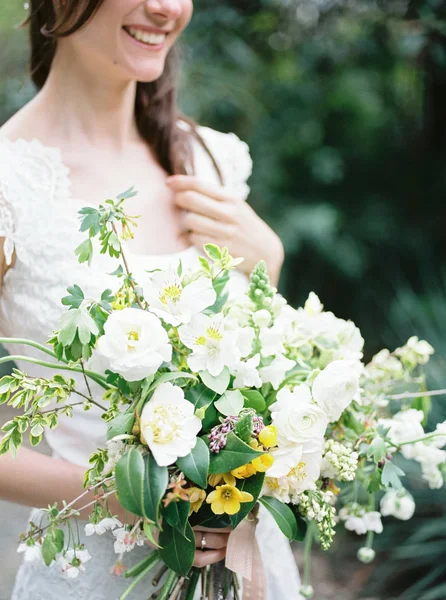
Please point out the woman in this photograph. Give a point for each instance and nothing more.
(105, 118)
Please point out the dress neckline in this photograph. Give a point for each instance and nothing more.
(56, 156)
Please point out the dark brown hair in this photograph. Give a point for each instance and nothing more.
(156, 110)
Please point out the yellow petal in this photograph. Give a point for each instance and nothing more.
(268, 436)
(263, 463)
(232, 507)
(218, 507)
(215, 479)
(213, 496)
(229, 479)
(246, 497)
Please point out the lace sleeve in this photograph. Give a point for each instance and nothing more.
(6, 228)
(233, 158)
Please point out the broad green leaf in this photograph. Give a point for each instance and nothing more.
(212, 251)
(177, 550)
(75, 298)
(283, 515)
(201, 396)
(155, 484)
(244, 428)
(196, 464)
(230, 404)
(253, 485)
(177, 514)
(216, 384)
(235, 454)
(122, 424)
(254, 399)
(84, 251)
(390, 476)
(52, 545)
(167, 377)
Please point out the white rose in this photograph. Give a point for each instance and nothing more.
(134, 344)
(335, 388)
(168, 424)
(399, 504)
(297, 419)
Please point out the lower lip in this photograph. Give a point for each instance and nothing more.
(153, 48)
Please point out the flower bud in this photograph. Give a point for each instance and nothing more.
(307, 591)
(268, 436)
(366, 555)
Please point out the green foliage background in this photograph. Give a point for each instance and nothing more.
(346, 123)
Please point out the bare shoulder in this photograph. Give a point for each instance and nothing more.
(25, 124)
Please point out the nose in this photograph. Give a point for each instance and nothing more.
(166, 9)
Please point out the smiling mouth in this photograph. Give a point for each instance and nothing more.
(150, 39)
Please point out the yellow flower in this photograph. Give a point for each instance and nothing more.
(262, 463)
(196, 497)
(214, 480)
(244, 471)
(268, 436)
(227, 499)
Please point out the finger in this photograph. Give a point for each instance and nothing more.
(210, 557)
(214, 541)
(206, 226)
(203, 205)
(181, 183)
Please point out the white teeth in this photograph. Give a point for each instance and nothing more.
(152, 39)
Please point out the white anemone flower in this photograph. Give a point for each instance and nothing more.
(174, 302)
(275, 372)
(168, 424)
(134, 344)
(246, 373)
(213, 346)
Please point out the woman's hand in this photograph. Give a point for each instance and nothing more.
(212, 545)
(213, 214)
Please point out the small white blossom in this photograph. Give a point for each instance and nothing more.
(399, 504)
(107, 524)
(246, 373)
(32, 552)
(358, 520)
(115, 450)
(271, 340)
(262, 318)
(405, 426)
(213, 346)
(72, 562)
(125, 541)
(366, 555)
(415, 352)
(168, 424)
(275, 372)
(334, 388)
(339, 462)
(134, 344)
(175, 302)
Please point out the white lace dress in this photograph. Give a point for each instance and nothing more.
(39, 221)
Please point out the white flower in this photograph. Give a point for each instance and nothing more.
(32, 553)
(246, 373)
(262, 318)
(275, 372)
(100, 528)
(399, 504)
(405, 426)
(134, 344)
(335, 388)
(360, 521)
(271, 340)
(313, 306)
(307, 471)
(277, 488)
(72, 562)
(439, 441)
(245, 338)
(115, 450)
(213, 346)
(168, 424)
(430, 457)
(174, 302)
(297, 419)
(285, 459)
(125, 542)
(339, 462)
(415, 351)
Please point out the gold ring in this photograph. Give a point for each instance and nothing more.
(203, 542)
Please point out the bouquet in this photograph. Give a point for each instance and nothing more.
(216, 405)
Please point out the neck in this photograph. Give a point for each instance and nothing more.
(89, 106)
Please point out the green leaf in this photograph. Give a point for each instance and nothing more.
(253, 485)
(177, 550)
(122, 424)
(212, 251)
(235, 454)
(390, 476)
(175, 376)
(141, 484)
(196, 464)
(254, 399)
(84, 252)
(283, 515)
(130, 193)
(244, 428)
(230, 404)
(75, 298)
(52, 545)
(217, 384)
(202, 397)
(177, 514)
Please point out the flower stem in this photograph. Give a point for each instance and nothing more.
(430, 436)
(307, 553)
(24, 342)
(136, 581)
(416, 395)
(369, 540)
